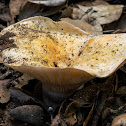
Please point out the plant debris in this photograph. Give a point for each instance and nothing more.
(98, 102)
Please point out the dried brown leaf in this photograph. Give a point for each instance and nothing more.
(29, 10)
(73, 12)
(113, 107)
(77, 13)
(120, 120)
(5, 75)
(122, 23)
(67, 12)
(89, 115)
(91, 29)
(15, 7)
(5, 17)
(121, 90)
(103, 13)
(93, 3)
(56, 121)
(99, 2)
(32, 9)
(23, 80)
(89, 93)
(71, 120)
(4, 92)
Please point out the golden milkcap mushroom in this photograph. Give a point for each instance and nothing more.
(62, 56)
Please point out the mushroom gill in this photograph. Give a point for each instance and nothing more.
(60, 55)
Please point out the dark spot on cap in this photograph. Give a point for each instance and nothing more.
(6, 42)
(80, 53)
(55, 64)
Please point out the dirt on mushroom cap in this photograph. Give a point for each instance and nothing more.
(102, 55)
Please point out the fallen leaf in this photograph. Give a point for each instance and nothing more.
(91, 29)
(89, 116)
(21, 97)
(3, 76)
(93, 3)
(29, 10)
(99, 2)
(121, 90)
(122, 23)
(23, 80)
(1, 27)
(32, 9)
(89, 93)
(4, 92)
(81, 19)
(120, 120)
(67, 12)
(5, 16)
(103, 13)
(15, 7)
(77, 13)
(73, 12)
(56, 121)
(2, 5)
(113, 107)
(71, 120)
(99, 105)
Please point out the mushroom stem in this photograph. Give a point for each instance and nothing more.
(53, 99)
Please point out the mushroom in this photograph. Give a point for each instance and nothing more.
(60, 55)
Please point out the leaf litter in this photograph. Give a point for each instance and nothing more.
(99, 102)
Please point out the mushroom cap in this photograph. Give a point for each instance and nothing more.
(61, 55)
(103, 55)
